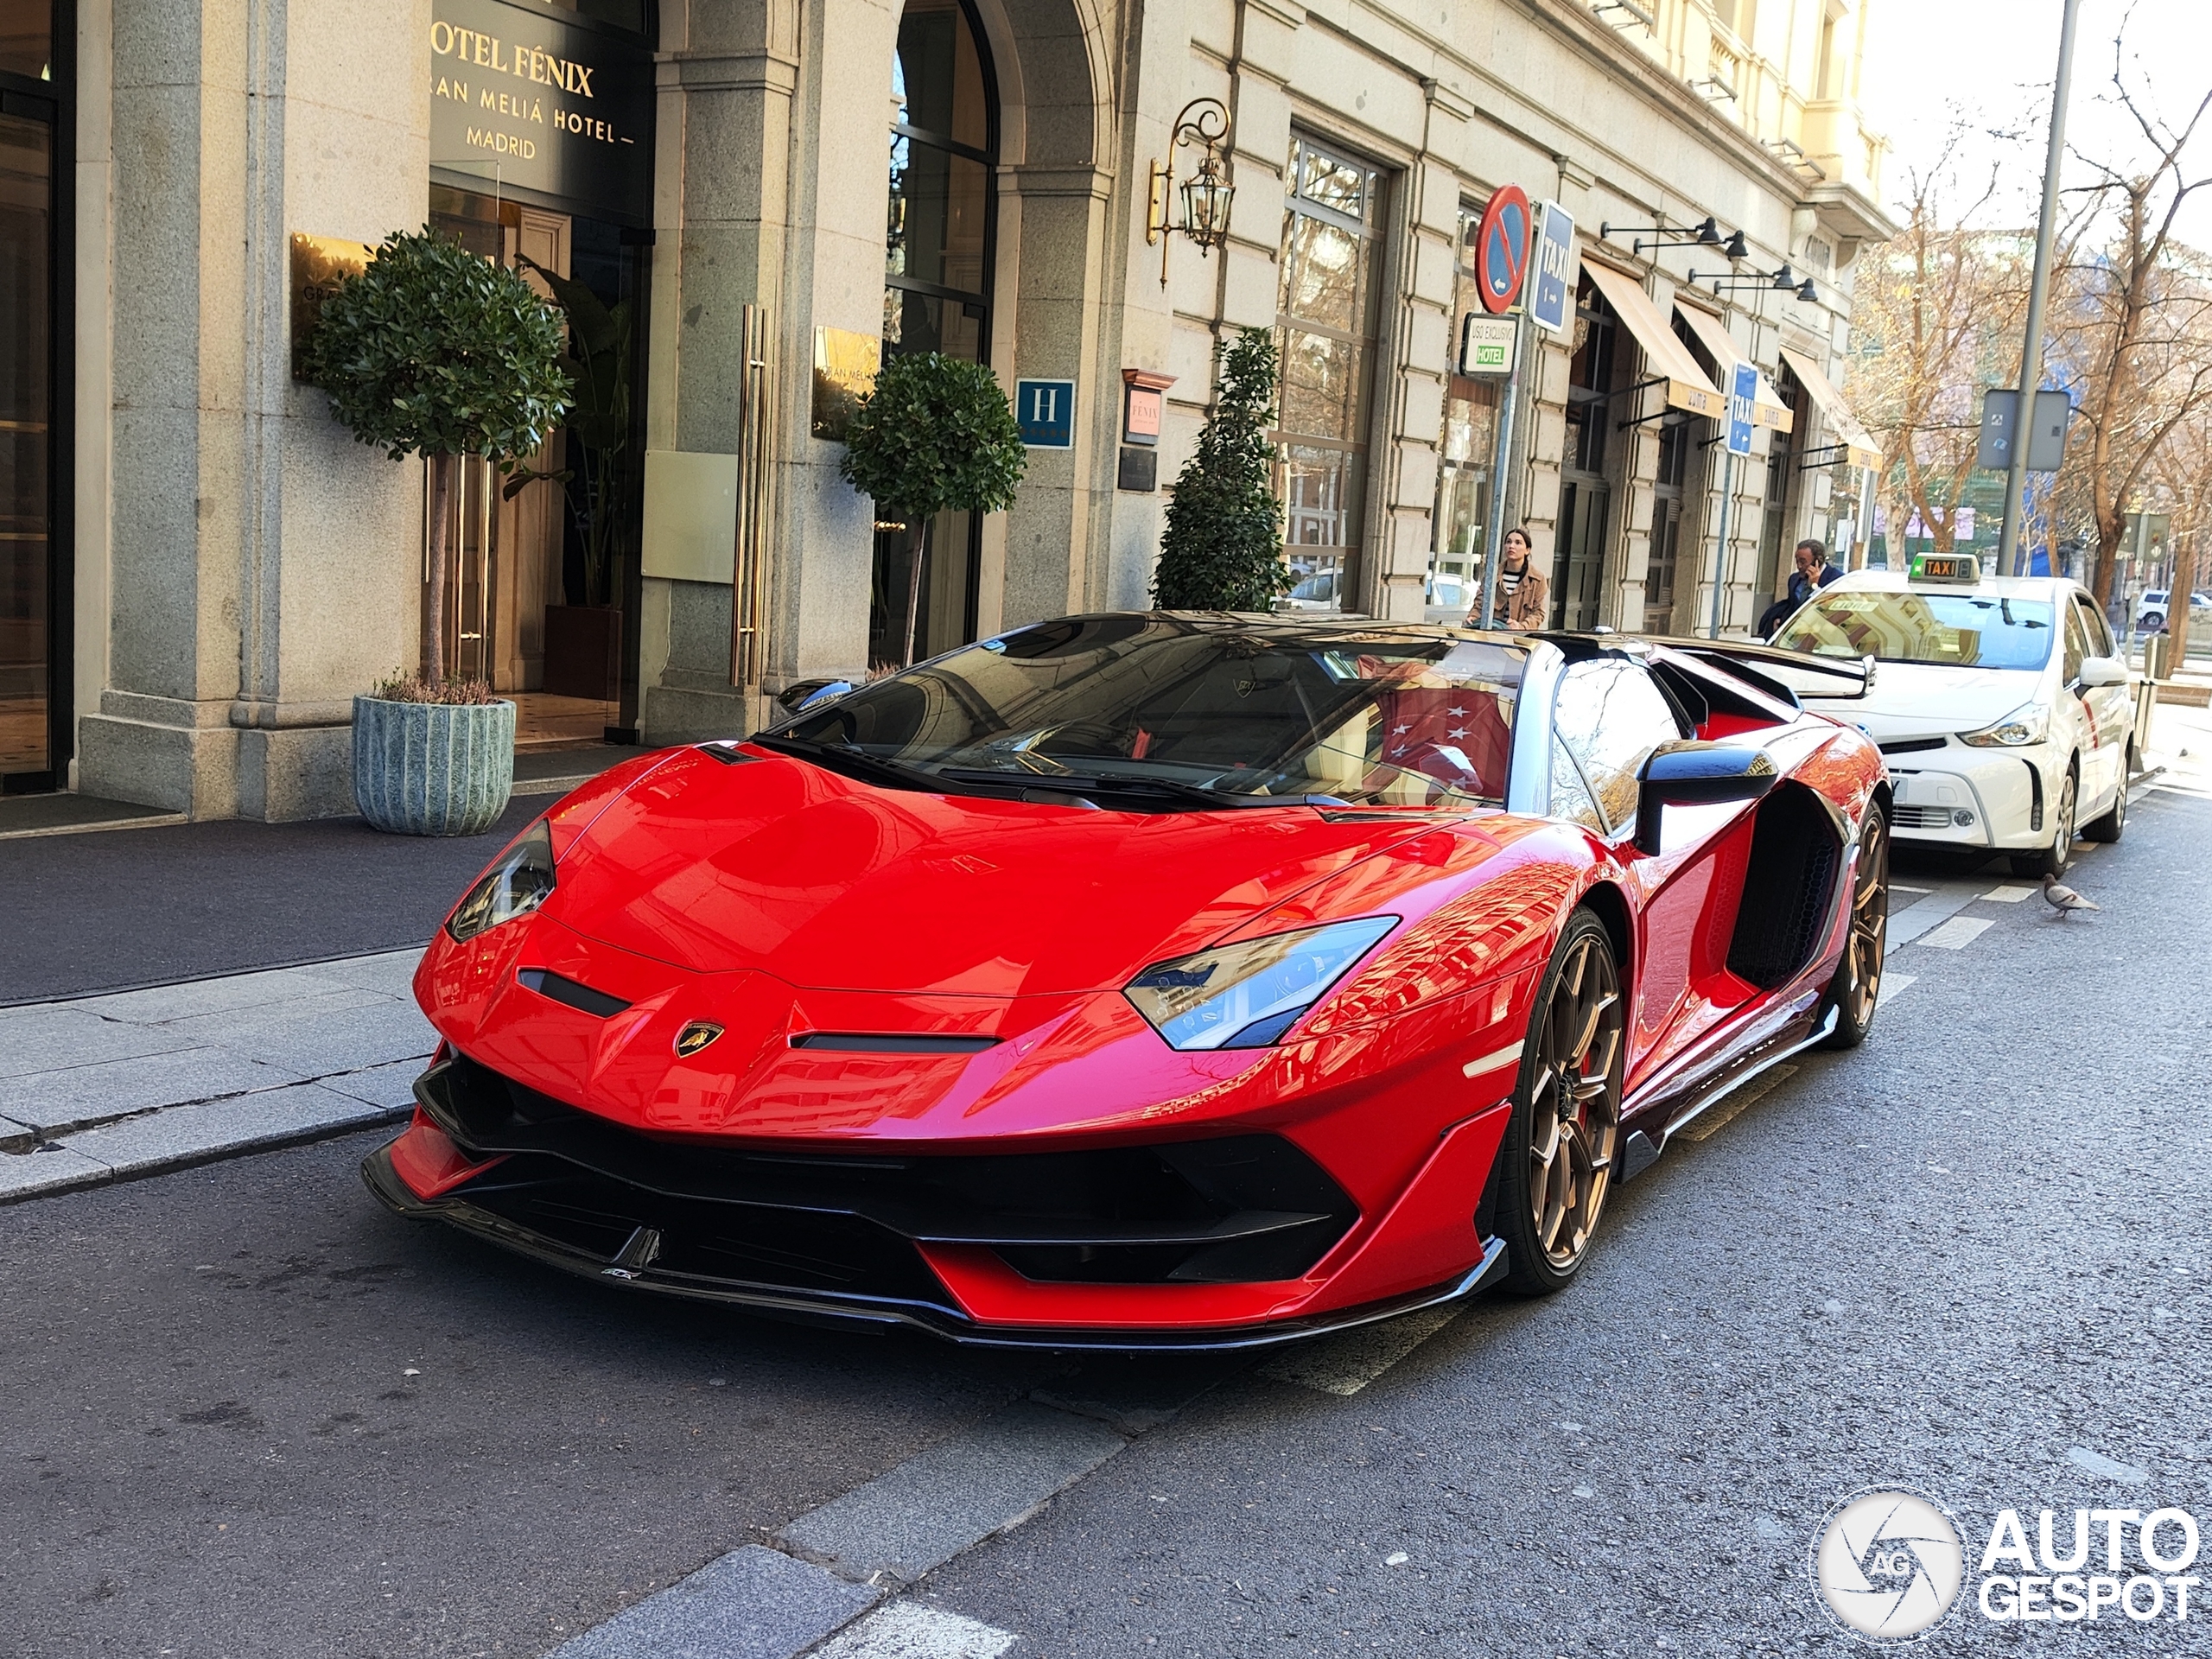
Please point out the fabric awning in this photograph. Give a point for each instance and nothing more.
(1667, 358)
(1767, 409)
(1844, 426)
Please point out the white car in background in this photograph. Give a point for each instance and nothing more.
(2002, 705)
(2151, 610)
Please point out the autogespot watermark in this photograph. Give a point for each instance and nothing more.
(1891, 1564)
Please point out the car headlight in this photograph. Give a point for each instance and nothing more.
(1245, 996)
(2023, 726)
(518, 884)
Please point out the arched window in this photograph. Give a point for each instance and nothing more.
(936, 267)
(937, 286)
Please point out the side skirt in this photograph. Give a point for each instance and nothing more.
(1642, 1150)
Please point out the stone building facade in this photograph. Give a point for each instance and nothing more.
(226, 569)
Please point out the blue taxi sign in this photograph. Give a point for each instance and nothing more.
(1962, 567)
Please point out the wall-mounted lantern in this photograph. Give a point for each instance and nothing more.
(1203, 125)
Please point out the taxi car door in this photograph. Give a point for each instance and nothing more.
(2109, 711)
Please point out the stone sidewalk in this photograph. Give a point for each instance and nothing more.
(103, 1088)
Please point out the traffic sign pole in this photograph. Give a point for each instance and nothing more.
(1720, 553)
(1736, 435)
(2011, 555)
(1501, 463)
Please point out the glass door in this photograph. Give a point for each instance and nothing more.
(28, 585)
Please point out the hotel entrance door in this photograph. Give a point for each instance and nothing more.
(534, 603)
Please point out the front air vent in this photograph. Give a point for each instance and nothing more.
(868, 1042)
(1913, 746)
(598, 1004)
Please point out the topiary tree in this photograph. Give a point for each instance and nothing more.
(434, 351)
(1223, 548)
(936, 435)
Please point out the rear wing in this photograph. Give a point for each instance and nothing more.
(1791, 675)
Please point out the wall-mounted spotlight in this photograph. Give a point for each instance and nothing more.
(1782, 278)
(1731, 247)
(1207, 194)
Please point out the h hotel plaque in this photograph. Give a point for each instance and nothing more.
(531, 106)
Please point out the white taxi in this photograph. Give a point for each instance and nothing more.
(2002, 705)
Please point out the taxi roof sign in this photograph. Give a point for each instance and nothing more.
(1961, 567)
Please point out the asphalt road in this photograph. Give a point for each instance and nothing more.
(244, 1412)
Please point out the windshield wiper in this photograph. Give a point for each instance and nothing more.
(854, 763)
(1092, 783)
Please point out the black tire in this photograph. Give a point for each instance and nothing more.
(2054, 858)
(2113, 824)
(1856, 990)
(1557, 1167)
(2152, 622)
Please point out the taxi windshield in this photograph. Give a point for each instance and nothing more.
(1354, 714)
(1966, 630)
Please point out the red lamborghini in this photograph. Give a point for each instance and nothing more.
(1151, 980)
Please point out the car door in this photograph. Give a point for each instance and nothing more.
(2109, 712)
(1608, 717)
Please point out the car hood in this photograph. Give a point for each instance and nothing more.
(771, 863)
(1919, 700)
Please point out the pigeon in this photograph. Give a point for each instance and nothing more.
(2063, 898)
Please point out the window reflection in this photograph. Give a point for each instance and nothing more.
(1330, 247)
(937, 296)
(1461, 518)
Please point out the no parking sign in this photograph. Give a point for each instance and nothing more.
(1502, 248)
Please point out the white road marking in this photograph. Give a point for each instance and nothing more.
(1347, 1364)
(1893, 983)
(1510, 1055)
(2097, 1464)
(2007, 895)
(1957, 933)
(906, 1630)
(1915, 919)
(1731, 1107)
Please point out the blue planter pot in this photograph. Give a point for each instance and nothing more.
(432, 768)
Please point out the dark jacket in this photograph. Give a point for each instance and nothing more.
(1801, 588)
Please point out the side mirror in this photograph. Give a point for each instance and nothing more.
(2103, 671)
(807, 693)
(1697, 774)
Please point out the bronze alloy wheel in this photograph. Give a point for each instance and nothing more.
(1857, 986)
(1566, 1125)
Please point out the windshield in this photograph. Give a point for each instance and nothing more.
(1964, 630)
(1351, 713)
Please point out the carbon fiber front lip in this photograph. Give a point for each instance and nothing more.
(879, 1313)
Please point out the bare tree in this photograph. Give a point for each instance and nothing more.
(2185, 486)
(2140, 338)
(1933, 312)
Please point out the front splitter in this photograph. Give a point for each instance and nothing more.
(878, 1314)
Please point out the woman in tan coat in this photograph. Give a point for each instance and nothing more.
(1522, 602)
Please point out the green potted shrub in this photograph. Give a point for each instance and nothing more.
(1222, 549)
(434, 352)
(936, 435)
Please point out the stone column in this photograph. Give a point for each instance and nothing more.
(264, 568)
(727, 238)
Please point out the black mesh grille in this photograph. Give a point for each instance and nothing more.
(1238, 1209)
(1789, 889)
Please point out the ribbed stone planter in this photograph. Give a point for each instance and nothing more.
(432, 768)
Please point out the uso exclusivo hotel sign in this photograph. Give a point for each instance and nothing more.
(543, 109)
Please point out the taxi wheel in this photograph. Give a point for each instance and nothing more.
(1857, 986)
(2054, 858)
(2109, 828)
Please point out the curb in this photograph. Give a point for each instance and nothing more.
(84, 1171)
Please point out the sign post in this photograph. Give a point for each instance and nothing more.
(1743, 400)
(1504, 242)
